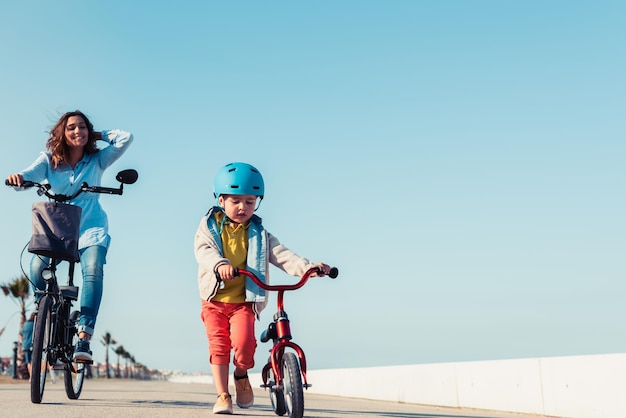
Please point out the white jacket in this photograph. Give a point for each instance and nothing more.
(263, 249)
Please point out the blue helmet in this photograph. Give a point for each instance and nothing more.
(238, 178)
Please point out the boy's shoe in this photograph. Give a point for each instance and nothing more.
(82, 353)
(243, 391)
(223, 405)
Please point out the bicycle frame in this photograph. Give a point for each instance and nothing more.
(281, 332)
(53, 334)
(62, 297)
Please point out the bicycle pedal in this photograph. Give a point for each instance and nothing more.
(83, 361)
(308, 385)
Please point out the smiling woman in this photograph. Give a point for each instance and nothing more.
(72, 158)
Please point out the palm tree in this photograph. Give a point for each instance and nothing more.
(107, 341)
(120, 352)
(126, 357)
(132, 365)
(18, 289)
(141, 369)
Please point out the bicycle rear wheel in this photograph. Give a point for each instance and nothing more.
(74, 371)
(276, 394)
(292, 386)
(42, 342)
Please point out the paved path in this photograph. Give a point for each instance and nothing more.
(127, 398)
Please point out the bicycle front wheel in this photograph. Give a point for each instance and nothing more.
(292, 386)
(74, 371)
(42, 344)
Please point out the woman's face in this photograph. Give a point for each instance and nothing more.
(76, 132)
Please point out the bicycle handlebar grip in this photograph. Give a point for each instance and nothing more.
(25, 183)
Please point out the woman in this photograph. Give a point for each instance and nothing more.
(27, 342)
(71, 158)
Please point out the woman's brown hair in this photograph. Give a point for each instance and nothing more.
(56, 142)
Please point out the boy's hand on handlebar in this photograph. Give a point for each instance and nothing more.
(226, 272)
(322, 270)
(15, 180)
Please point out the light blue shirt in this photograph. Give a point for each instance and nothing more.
(94, 224)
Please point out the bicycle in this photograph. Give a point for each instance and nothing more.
(55, 333)
(284, 374)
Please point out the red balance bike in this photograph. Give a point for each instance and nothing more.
(285, 374)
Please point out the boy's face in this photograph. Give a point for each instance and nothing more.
(239, 208)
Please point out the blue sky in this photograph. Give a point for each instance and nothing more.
(460, 162)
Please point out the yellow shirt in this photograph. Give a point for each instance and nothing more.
(235, 245)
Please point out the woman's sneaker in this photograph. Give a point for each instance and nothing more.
(82, 353)
(223, 405)
(243, 391)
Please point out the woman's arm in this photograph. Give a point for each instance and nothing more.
(37, 171)
(118, 141)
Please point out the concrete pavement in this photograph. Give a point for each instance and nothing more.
(130, 398)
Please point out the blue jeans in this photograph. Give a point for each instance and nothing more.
(92, 261)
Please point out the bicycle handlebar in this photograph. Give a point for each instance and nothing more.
(334, 272)
(124, 177)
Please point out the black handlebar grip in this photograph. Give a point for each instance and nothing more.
(8, 183)
(334, 272)
(25, 184)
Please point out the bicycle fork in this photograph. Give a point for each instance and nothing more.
(279, 331)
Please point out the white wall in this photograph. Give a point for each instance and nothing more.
(573, 387)
(577, 387)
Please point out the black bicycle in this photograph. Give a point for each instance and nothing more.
(55, 235)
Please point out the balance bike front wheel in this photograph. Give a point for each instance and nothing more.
(292, 386)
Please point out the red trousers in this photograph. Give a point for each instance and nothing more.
(230, 326)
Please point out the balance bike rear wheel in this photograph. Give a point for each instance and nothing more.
(276, 395)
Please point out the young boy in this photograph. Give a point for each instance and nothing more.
(230, 236)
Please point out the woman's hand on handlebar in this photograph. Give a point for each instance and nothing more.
(15, 180)
(226, 272)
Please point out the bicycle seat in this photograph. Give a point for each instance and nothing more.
(69, 292)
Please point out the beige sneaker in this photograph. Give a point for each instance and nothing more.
(223, 405)
(243, 392)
